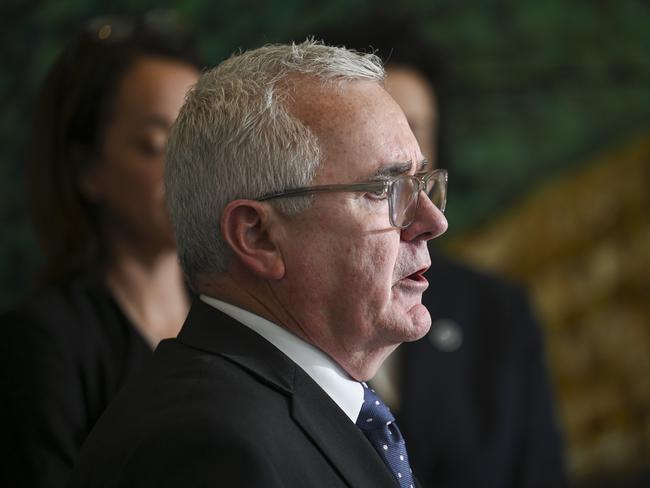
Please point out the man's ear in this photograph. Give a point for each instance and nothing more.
(246, 225)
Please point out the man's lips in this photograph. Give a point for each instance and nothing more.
(416, 278)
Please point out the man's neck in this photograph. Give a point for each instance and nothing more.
(261, 299)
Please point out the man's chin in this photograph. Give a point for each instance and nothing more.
(420, 319)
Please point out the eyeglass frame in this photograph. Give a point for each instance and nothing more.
(383, 186)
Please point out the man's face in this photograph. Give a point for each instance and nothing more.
(354, 283)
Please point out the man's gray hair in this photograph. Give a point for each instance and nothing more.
(234, 138)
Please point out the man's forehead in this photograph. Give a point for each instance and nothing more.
(396, 159)
(320, 103)
(362, 132)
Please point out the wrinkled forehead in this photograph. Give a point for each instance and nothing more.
(360, 128)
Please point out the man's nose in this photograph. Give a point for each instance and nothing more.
(429, 221)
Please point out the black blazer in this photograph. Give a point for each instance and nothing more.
(221, 406)
(478, 411)
(64, 355)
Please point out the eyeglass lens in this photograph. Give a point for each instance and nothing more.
(405, 198)
(404, 201)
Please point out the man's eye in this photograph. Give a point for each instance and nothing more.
(380, 194)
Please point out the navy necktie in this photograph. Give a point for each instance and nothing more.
(378, 424)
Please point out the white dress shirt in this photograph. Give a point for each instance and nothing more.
(345, 391)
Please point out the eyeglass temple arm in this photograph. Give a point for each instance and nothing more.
(372, 186)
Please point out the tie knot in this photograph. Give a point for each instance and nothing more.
(374, 414)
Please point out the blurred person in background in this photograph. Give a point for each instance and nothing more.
(473, 397)
(113, 285)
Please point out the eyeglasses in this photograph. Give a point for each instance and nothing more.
(402, 192)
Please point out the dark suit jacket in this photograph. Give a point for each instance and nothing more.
(221, 406)
(481, 415)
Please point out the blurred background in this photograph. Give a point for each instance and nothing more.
(545, 131)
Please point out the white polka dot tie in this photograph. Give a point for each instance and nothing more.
(378, 424)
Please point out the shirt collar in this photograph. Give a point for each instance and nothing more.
(346, 392)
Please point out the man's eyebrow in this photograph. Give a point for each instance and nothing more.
(392, 169)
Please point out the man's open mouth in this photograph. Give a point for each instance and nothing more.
(418, 275)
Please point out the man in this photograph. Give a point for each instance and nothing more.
(473, 397)
(302, 207)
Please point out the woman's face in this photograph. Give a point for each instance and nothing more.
(126, 180)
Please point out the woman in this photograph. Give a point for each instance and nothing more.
(114, 286)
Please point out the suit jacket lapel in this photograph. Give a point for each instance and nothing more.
(340, 441)
(210, 330)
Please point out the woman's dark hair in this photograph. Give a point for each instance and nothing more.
(71, 113)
